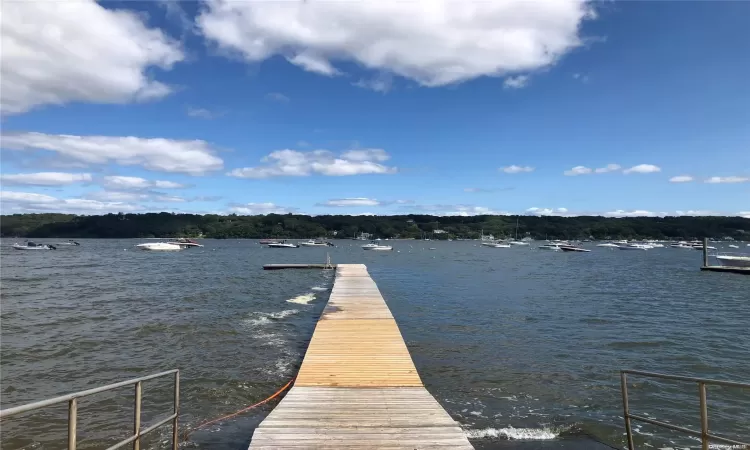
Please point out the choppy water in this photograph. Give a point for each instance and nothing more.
(515, 343)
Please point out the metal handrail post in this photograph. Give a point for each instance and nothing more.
(72, 423)
(626, 409)
(137, 416)
(175, 439)
(704, 416)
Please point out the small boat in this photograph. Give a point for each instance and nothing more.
(733, 246)
(734, 259)
(681, 244)
(282, 244)
(268, 241)
(635, 247)
(551, 246)
(316, 243)
(573, 248)
(700, 247)
(33, 246)
(495, 244)
(159, 247)
(518, 243)
(376, 247)
(185, 243)
(70, 242)
(608, 245)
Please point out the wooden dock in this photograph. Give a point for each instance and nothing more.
(358, 387)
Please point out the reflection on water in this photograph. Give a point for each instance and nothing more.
(515, 343)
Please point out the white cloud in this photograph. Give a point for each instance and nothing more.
(254, 209)
(191, 157)
(201, 113)
(32, 202)
(356, 201)
(632, 213)
(583, 78)
(321, 162)
(642, 168)
(583, 170)
(169, 199)
(125, 183)
(608, 168)
(516, 169)
(681, 179)
(451, 42)
(745, 214)
(453, 210)
(117, 196)
(381, 83)
(578, 170)
(517, 82)
(60, 52)
(45, 178)
(733, 179)
(548, 211)
(277, 97)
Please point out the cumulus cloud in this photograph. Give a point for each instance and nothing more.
(356, 201)
(32, 202)
(191, 157)
(548, 211)
(453, 210)
(633, 213)
(745, 214)
(45, 178)
(450, 43)
(517, 82)
(125, 183)
(642, 168)
(732, 179)
(320, 162)
(681, 179)
(578, 170)
(60, 52)
(516, 169)
(254, 209)
(608, 168)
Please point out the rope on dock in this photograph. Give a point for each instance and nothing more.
(235, 414)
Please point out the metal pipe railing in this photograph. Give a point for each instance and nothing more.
(703, 434)
(135, 439)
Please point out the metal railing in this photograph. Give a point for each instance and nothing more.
(703, 434)
(135, 439)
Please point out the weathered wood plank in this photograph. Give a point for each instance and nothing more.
(358, 387)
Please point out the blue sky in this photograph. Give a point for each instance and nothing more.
(559, 108)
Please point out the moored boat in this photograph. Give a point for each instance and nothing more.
(376, 247)
(28, 245)
(185, 243)
(282, 244)
(495, 244)
(573, 248)
(634, 247)
(159, 247)
(316, 243)
(69, 242)
(733, 259)
(608, 245)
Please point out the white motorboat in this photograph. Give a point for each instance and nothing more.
(734, 259)
(700, 247)
(573, 248)
(681, 244)
(376, 247)
(634, 247)
(495, 244)
(33, 246)
(282, 244)
(316, 243)
(185, 243)
(70, 242)
(159, 247)
(518, 243)
(733, 246)
(608, 245)
(552, 246)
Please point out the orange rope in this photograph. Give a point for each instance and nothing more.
(229, 416)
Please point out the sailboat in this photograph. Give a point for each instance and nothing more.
(516, 241)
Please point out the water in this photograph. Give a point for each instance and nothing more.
(515, 343)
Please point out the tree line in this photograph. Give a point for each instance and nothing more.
(295, 226)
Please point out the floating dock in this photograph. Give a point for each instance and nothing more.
(358, 387)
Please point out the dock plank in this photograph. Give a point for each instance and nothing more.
(358, 387)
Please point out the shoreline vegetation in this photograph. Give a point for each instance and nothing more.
(295, 226)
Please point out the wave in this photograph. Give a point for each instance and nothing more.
(303, 299)
(511, 433)
(262, 318)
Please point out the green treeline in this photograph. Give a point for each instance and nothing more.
(405, 227)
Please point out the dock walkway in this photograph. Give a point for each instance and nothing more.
(358, 387)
